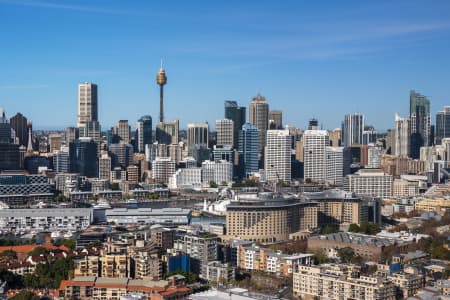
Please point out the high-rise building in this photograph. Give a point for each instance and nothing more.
(104, 166)
(87, 103)
(277, 117)
(223, 153)
(83, 157)
(370, 182)
(352, 129)
(259, 116)
(20, 125)
(335, 165)
(123, 130)
(197, 135)
(442, 124)
(121, 155)
(167, 132)
(144, 132)
(175, 152)
(9, 152)
(374, 154)
(61, 160)
(161, 80)
(402, 135)
(217, 171)
(162, 169)
(54, 142)
(91, 130)
(335, 137)
(225, 132)
(278, 156)
(72, 133)
(248, 149)
(314, 155)
(313, 124)
(419, 114)
(238, 115)
(369, 135)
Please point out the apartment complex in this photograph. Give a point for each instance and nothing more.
(371, 182)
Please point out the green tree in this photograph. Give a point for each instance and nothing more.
(39, 251)
(212, 184)
(353, 228)
(346, 254)
(25, 295)
(328, 230)
(115, 186)
(9, 253)
(321, 257)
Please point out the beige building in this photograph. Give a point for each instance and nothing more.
(439, 205)
(266, 218)
(87, 266)
(115, 266)
(339, 282)
(335, 137)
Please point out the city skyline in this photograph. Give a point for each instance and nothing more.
(358, 62)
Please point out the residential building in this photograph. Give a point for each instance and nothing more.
(189, 177)
(315, 143)
(278, 156)
(277, 117)
(370, 182)
(402, 137)
(352, 129)
(162, 169)
(217, 171)
(419, 114)
(225, 133)
(442, 124)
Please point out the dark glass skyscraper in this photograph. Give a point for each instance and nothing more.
(419, 114)
(20, 125)
(83, 157)
(442, 124)
(238, 115)
(143, 132)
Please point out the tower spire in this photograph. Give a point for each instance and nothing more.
(161, 80)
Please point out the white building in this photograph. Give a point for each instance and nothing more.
(198, 134)
(191, 177)
(315, 143)
(225, 134)
(371, 182)
(104, 166)
(335, 165)
(402, 136)
(278, 155)
(162, 169)
(374, 154)
(61, 160)
(87, 103)
(50, 219)
(352, 129)
(217, 171)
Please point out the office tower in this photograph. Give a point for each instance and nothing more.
(278, 156)
(248, 149)
(390, 141)
(83, 157)
(133, 174)
(197, 135)
(161, 80)
(20, 125)
(87, 103)
(72, 133)
(143, 132)
(259, 116)
(121, 155)
(238, 115)
(175, 152)
(54, 142)
(420, 123)
(314, 155)
(352, 129)
(123, 131)
(162, 169)
(225, 132)
(313, 124)
(223, 153)
(277, 117)
(9, 152)
(442, 124)
(369, 135)
(402, 136)
(104, 166)
(61, 160)
(91, 130)
(335, 137)
(167, 132)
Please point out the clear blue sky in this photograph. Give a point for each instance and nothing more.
(318, 59)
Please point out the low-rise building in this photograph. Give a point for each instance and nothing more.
(220, 272)
(148, 216)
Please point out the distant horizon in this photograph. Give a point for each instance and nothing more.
(321, 60)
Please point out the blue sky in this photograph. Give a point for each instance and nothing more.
(318, 59)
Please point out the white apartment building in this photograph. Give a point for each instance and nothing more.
(370, 182)
(278, 155)
(162, 169)
(191, 177)
(315, 143)
(217, 171)
(374, 154)
(402, 133)
(335, 165)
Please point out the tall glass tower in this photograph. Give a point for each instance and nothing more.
(238, 115)
(248, 149)
(419, 114)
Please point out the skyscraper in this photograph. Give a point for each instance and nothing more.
(83, 157)
(20, 125)
(104, 166)
(121, 155)
(278, 156)
(315, 143)
(238, 115)
(87, 103)
(144, 132)
(248, 149)
(402, 135)
(9, 152)
(277, 117)
(123, 130)
(259, 116)
(61, 160)
(161, 80)
(167, 132)
(197, 135)
(225, 132)
(352, 129)
(442, 124)
(72, 133)
(419, 115)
